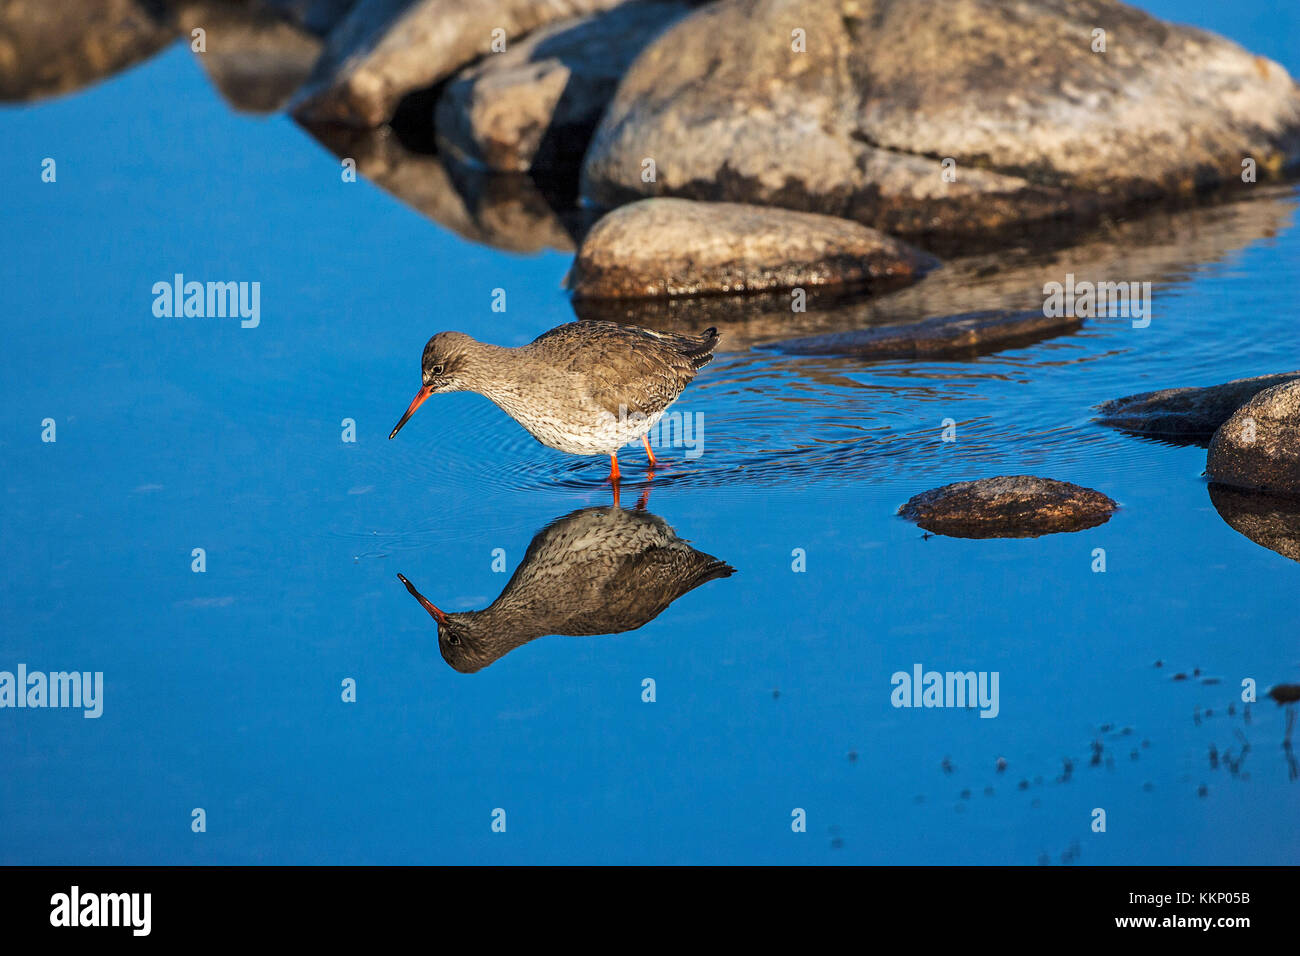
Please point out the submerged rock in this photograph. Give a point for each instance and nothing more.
(1271, 521)
(673, 247)
(386, 49)
(49, 47)
(970, 334)
(536, 105)
(1019, 506)
(729, 106)
(1185, 415)
(1259, 445)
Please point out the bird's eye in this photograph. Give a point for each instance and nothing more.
(453, 639)
(436, 370)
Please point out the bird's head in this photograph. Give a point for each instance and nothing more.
(456, 640)
(442, 369)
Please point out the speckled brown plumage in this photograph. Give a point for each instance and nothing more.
(585, 388)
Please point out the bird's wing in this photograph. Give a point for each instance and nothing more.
(638, 369)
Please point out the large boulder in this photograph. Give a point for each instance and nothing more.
(672, 247)
(1015, 506)
(1037, 124)
(1185, 415)
(1259, 446)
(536, 105)
(386, 49)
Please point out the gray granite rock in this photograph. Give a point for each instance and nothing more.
(385, 49)
(675, 247)
(1259, 445)
(1185, 415)
(536, 105)
(859, 125)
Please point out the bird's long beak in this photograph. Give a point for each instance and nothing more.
(420, 396)
(425, 603)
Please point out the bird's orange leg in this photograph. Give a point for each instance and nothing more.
(613, 467)
(649, 453)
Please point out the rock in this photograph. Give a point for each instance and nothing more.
(1185, 415)
(536, 105)
(972, 333)
(386, 49)
(1164, 246)
(1259, 446)
(860, 125)
(50, 47)
(670, 247)
(1272, 521)
(1020, 506)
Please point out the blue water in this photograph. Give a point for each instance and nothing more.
(223, 689)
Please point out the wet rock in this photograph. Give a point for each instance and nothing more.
(1272, 521)
(50, 47)
(1185, 415)
(536, 105)
(674, 247)
(860, 125)
(1019, 506)
(386, 49)
(1259, 446)
(974, 333)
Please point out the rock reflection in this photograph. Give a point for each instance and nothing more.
(1271, 521)
(601, 570)
(510, 211)
(47, 49)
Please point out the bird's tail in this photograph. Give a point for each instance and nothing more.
(700, 350)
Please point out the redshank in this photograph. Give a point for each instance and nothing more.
(585, 388)
(596, 571)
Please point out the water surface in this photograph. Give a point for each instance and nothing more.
(772, 685)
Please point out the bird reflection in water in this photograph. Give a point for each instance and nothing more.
(601, 570)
